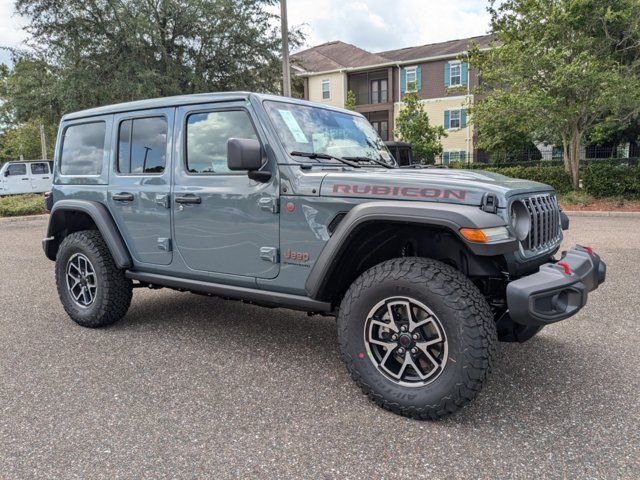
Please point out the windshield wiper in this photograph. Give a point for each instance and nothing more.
(323, 156)
(369, 160)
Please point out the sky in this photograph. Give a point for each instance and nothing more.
(374, 25)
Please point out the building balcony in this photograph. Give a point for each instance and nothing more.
(371, 97)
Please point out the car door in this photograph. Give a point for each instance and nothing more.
(40, 176)
(224, 222)
(140, 183)
(16, 179)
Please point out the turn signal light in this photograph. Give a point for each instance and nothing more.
(474, 235)
(485, 235)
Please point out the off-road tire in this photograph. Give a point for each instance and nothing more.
(463, 313)
(114, 292)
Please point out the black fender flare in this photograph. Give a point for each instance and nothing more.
(449, 216)
(102, 219)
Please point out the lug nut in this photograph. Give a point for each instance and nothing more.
(416, 336)
(403, 328)
(414, 350)
(394, 337)
(400, 351)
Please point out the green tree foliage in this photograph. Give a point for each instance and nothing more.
(24, 141)
(560, 67)
(413, 126)
(350, 102)
(85, 54)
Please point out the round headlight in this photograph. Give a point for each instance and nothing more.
(520, 220)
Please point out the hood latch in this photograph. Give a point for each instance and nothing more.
(489, 203)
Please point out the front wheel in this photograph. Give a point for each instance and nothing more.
(417, 336)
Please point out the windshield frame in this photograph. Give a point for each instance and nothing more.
(269, 106)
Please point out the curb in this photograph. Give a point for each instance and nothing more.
(596, 213)
(24, 218)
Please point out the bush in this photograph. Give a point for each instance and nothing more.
(576, 198)
(15, 205)
(554, 176)
(605, 180)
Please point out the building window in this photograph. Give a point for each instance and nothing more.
(382, 127)
(83, 149)
(326, 90)
(412, 79)
(454, 119)
(455, 75)
(379, 93)
(142, 145)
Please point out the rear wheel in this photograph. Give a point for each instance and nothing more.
(417, 336)
(93, 291)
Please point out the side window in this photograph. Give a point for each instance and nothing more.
(326, 90)
(404, 157)
(142, 145)
(17, 169)
(207, 135)
(83, 149)
(39, 168)
(455, 74)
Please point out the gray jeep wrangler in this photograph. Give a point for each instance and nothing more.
(286, 203)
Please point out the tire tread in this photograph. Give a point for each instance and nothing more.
(458, 293)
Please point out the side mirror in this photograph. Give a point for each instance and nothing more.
(246, 154)
(7, 172)
(243, 154)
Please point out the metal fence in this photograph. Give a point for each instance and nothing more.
(551, 156)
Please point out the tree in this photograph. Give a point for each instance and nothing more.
(413, 126)
(85, 54)
(24, 141)
(559, 67)
(350, 102)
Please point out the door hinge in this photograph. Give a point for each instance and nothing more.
(269, 254)
(164, 244)
(269, 204)
(162, 200)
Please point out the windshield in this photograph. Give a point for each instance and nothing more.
(322, 131)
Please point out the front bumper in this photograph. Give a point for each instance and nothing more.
(558, 290)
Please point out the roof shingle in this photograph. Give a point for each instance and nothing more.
(436, 49)
(337, 55)
(334, 56)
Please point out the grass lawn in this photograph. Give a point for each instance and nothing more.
(16, 205)
(583, 201)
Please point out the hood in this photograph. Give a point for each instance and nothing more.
(428, 184)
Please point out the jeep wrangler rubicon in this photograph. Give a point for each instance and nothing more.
(286, 203)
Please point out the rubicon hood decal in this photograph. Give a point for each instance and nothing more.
(428, 185)
(395, 191)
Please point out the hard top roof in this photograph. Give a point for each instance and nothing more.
(192, 99)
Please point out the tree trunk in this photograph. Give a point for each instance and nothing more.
(565, 153)
(573, 159)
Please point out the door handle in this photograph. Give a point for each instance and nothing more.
(123, 197)
(189, 199)
(25, 179)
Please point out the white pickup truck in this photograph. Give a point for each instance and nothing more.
(26, 177)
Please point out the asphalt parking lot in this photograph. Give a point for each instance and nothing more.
(191, 387)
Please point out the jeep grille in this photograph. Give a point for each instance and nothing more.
(545, 222)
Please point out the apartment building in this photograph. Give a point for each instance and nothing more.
(437, 72)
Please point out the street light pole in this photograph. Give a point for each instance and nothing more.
(286, 77)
